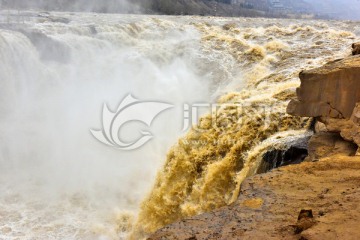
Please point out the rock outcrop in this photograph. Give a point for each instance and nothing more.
(329, 91)
(332, 95)
(269, 206)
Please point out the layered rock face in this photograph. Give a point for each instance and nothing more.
(330, 91)
(332, 95)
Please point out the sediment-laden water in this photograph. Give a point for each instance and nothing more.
(58, 69)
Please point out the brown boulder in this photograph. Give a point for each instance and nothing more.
(356, 48)
(329, 91)
(332, 94)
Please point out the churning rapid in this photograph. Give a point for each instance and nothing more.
(57, 70)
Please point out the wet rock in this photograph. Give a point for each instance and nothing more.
(356, 48)
(293, 151)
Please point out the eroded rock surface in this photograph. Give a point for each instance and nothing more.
(332, 94)
(269, 206)
(329, 91)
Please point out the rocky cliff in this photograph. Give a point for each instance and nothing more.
(331, 94)
(317, 199)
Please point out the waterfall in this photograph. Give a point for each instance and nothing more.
(58, 70)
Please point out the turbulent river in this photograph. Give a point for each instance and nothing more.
(57, 70)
